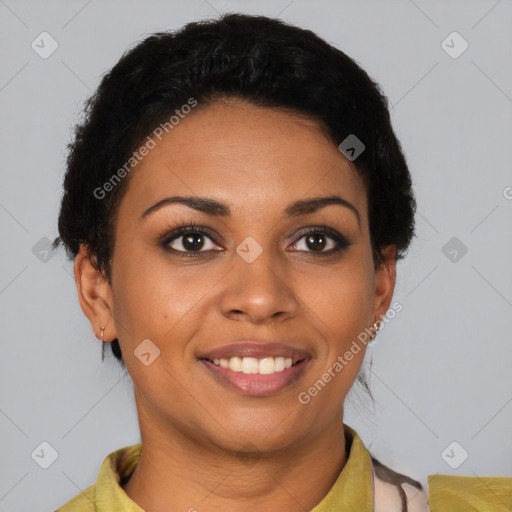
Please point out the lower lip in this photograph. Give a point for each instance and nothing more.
(255, 384)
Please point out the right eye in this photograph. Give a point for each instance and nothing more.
(188, 241)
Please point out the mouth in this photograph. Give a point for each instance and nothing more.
(256, 369)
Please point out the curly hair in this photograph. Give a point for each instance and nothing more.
(261, 60)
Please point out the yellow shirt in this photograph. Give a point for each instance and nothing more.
(353, 491)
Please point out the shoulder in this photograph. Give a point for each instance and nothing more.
(395, 491)
(459, 493)
(106, 494)
(83, 502)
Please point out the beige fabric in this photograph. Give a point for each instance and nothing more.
(387, 497)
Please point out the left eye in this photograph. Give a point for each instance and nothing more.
(317, 241)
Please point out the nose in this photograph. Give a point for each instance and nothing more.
(259, 292)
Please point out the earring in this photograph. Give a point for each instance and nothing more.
(102, 344)
(376, 327)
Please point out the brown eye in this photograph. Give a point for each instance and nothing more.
(316, 241)
(322, 240)
(194, 241)
(189, 240)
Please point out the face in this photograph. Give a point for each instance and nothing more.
(260, 278)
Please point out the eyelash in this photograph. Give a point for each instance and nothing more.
(186, 228)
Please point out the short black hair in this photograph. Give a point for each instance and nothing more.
(262, 60)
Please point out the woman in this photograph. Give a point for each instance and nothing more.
(235, 203)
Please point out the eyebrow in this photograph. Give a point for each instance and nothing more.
(218, 209)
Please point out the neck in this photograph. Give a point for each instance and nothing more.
(178, 472)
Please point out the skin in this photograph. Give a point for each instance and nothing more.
(194, 430)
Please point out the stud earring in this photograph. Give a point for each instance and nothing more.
(376, 326)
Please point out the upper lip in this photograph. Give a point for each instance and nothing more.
(257, 349)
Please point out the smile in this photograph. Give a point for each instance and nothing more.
(252, 365)
(256, 377)
(257, 368)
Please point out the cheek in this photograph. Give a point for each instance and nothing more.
(342, 305)
(343, 298)
(154, 299)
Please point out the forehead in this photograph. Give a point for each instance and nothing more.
(253, 158)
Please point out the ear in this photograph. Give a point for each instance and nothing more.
(95, 295)
(385, 278)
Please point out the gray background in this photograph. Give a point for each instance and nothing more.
(441, 369)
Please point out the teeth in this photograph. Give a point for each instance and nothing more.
(267, 366)
(252, 365)
(279, 364)
(235, 364)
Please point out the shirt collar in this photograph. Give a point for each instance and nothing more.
(109, 494)
(353, 489)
